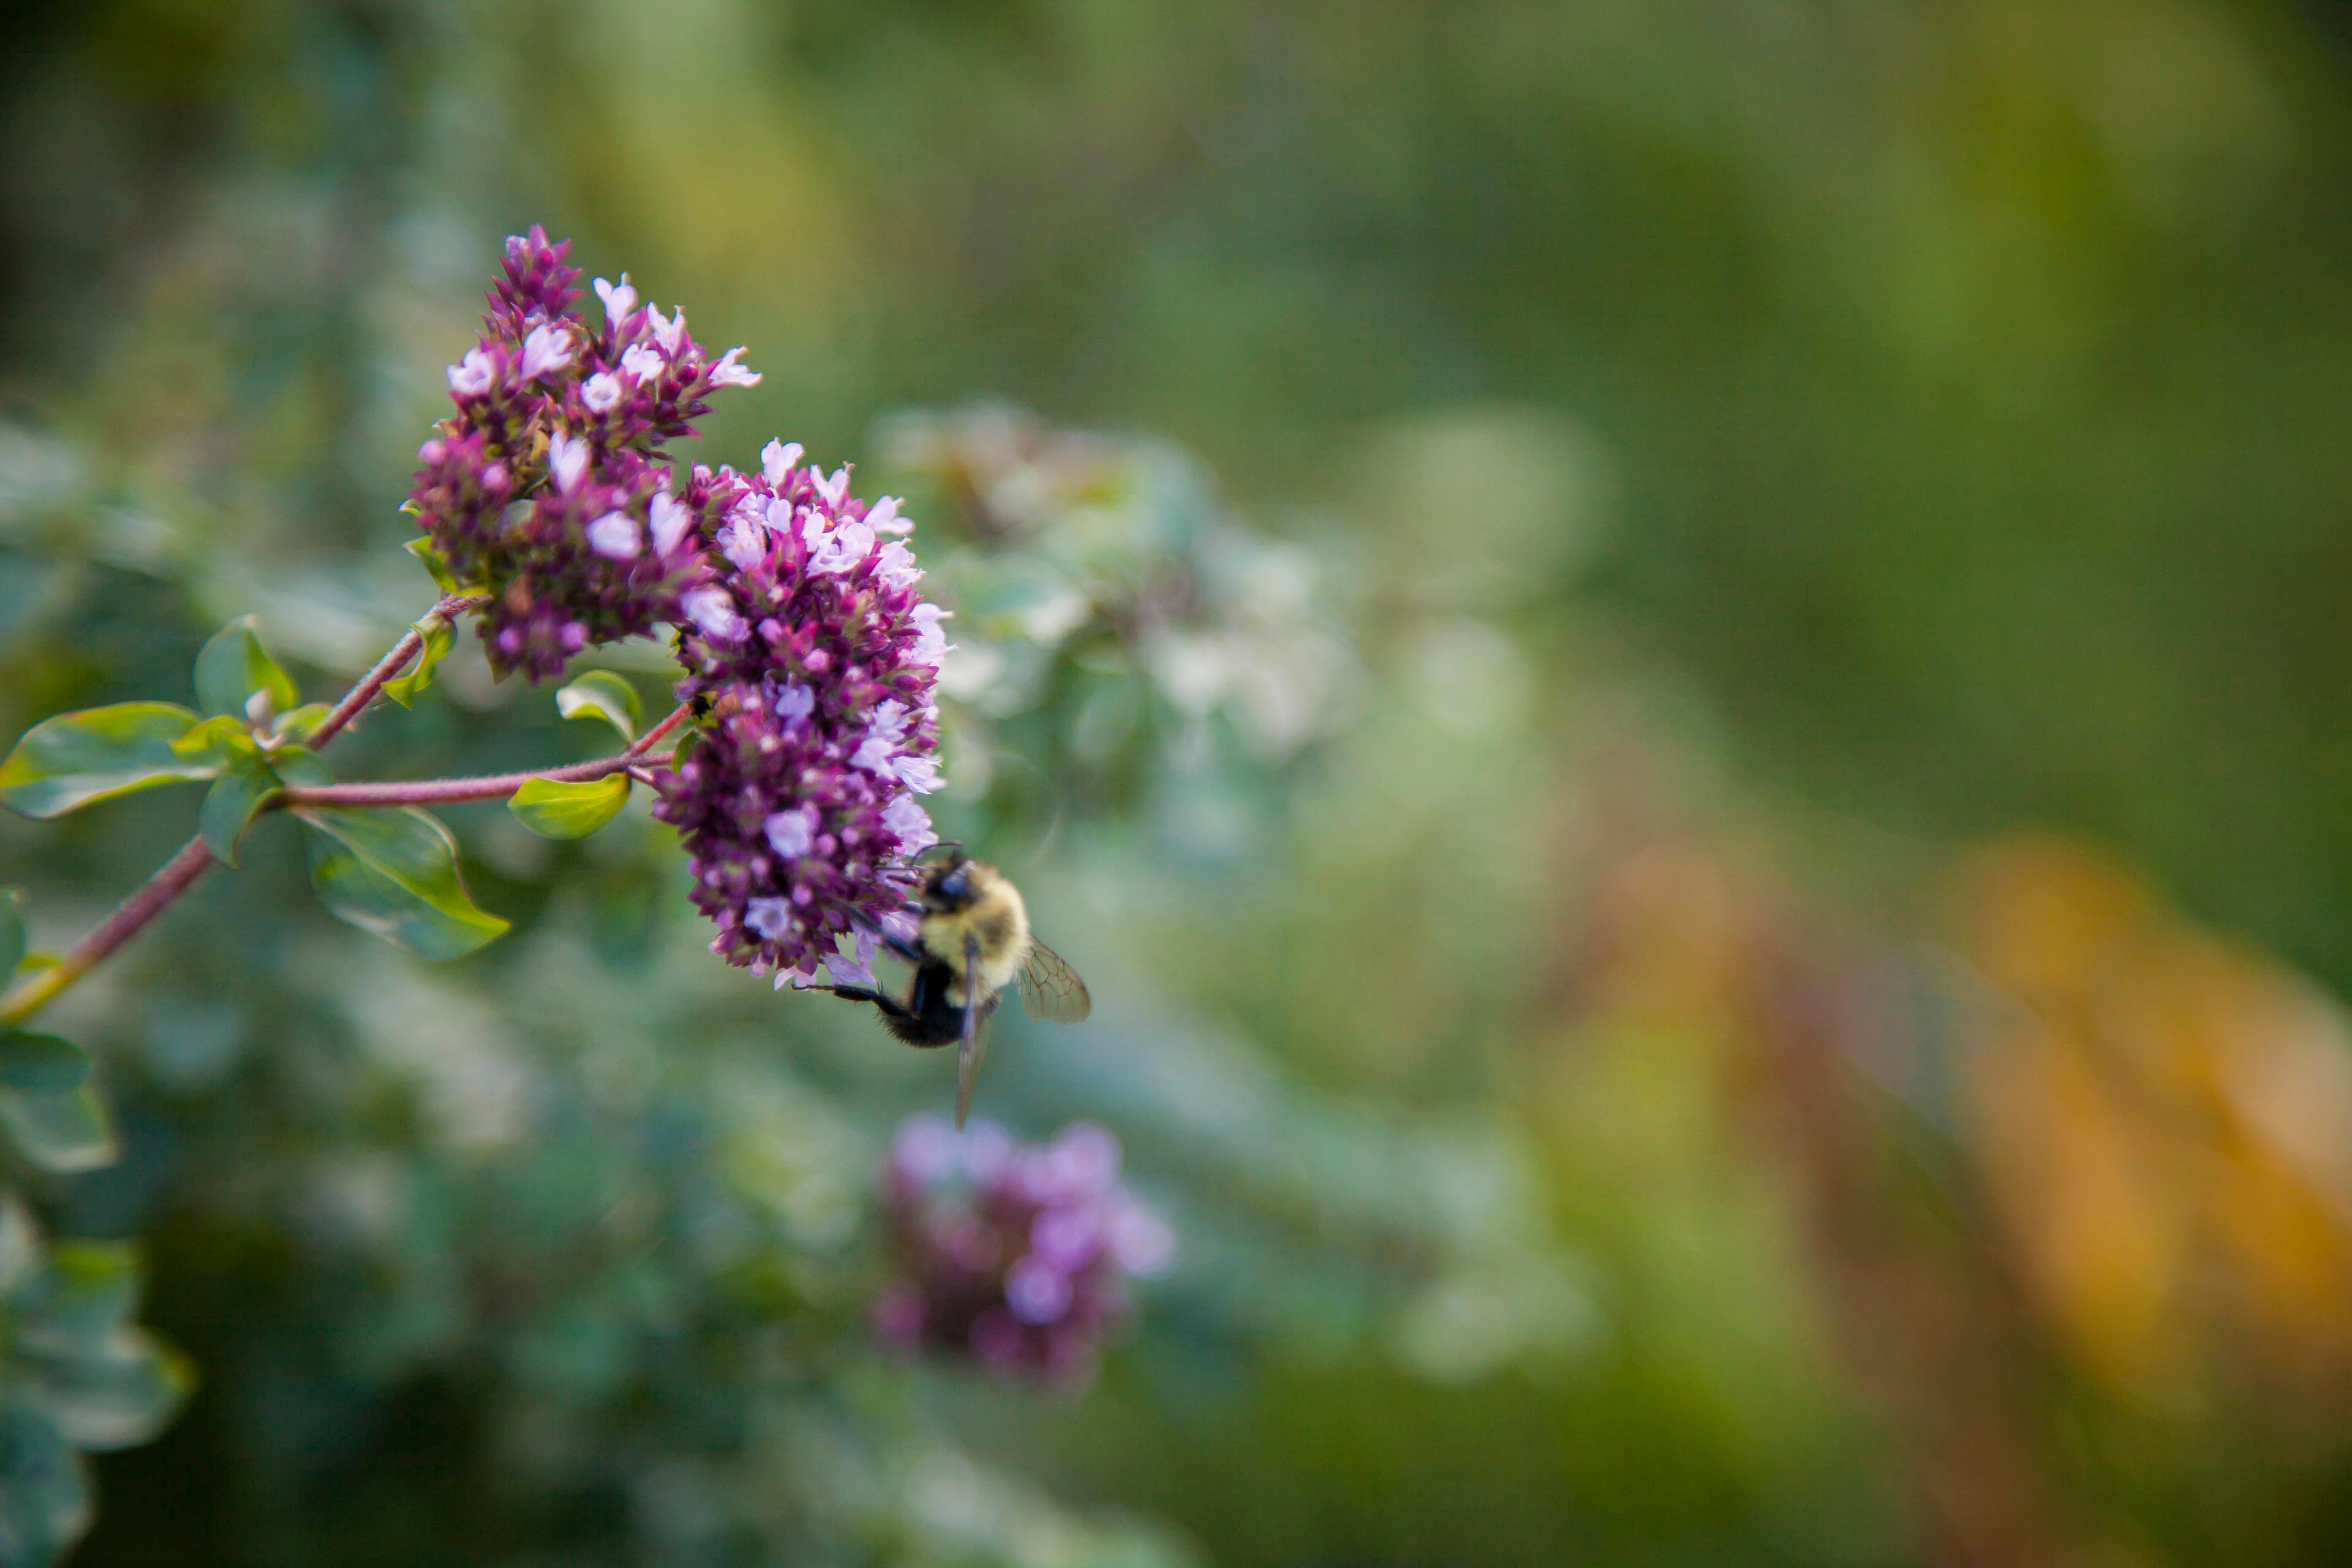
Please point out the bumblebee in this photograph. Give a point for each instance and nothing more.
(972, 941)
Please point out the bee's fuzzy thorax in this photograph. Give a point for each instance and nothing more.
(994, 920)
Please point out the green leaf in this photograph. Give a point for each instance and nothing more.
(438, 636)
(300, 766)
(44, 1490)
(118, 1394)
(553, 809)
(49, 1105)
(41, 1064)
(74, 759)
(216, 741)
(394, 873)
(83, 1292)
(303, 722)
(20, 1244)
(12, 932)
(244, 787)
(601, 694)
(63, 1132)
(234, 666)
(438, 564)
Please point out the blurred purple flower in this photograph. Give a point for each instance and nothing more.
(548, 486)
(815, 659)
(1015, 1256)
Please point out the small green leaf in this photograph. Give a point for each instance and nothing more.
(553, 809)
(234, 666)
(20, 1244)
(438, 564)
(62, 1132)
(217, 740)
(300, 766)
(84, 1292)
(394, 873)
(74, 759)
(439, 636)
(303, 722)
(44, 1503)
(12, 932)
(41, 1064)
(117, 1395)
(601, 694)
(244, 787)
(49, 1105)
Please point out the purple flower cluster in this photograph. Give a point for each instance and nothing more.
(547, 486)
(814, 658)
(809, 655)
(1016, 1256)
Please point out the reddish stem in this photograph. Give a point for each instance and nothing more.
(165, 885)
(389, 665)
(194, 859)
(489, 786)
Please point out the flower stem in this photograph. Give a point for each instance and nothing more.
(389, 665)
(177, 874)
(120, 927)
(488, 786)
(646, 742)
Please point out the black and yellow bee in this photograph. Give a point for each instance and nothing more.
(972, 941)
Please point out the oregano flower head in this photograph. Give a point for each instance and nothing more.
(814, 656)
(548, 487)
(1015, 1256)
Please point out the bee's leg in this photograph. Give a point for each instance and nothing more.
(920, 994)
(890, 1006)
(898, 944)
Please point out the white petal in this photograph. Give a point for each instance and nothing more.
(714, 611)
(777, 458)
(890, 718)
(567, 460)
(670, 521)
(843, 549)
(848, 971)
(794, 701)
(616, 534)
(742, 542)
(909, 823)
(548, 348)
(641, 363)
(619, 298)
(897, 565)
(472, 376)
(727, 373)
(789, 833)
(668, 330)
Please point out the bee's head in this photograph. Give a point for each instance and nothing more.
(953, 884)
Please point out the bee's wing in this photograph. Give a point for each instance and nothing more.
(973, 1051)
(1051, 989)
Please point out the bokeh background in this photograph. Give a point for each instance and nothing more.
(1684, 686)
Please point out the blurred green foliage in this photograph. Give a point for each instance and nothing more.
(1926, 415)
